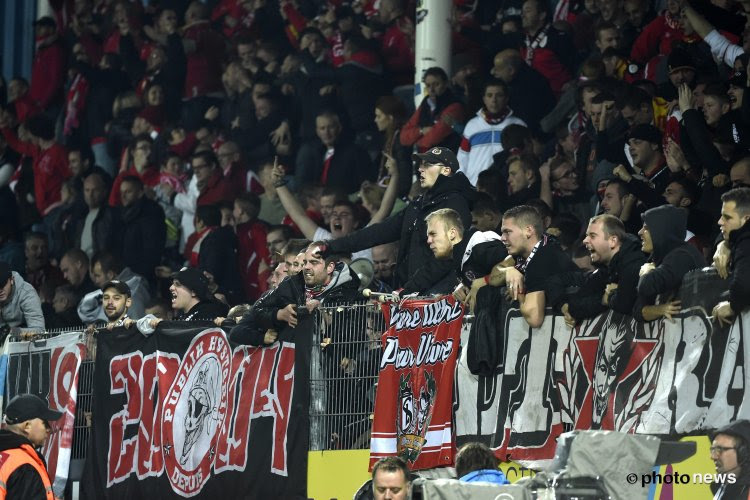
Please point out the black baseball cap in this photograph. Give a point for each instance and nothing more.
(194, 280)
(438, 155)
(118, 285)
(28, 407)
(645, 132)
(45, 21)
(5, 273)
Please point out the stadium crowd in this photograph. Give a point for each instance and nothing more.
(225, 136)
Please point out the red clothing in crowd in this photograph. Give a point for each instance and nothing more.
(50, 169)
(216, 190)
(25, 108)
(150, 177)
(204, 70)
(236, 176)
(193, 246)
(410, 133)
(251, 250)
(397, 48)
(47, 72)
(657, 38)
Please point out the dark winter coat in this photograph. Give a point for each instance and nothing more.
(144, 235)
(739, 284)
(343, 287)
(673, 257)
(350, 165)
(623, 269)
(105, 231)
(417, 269)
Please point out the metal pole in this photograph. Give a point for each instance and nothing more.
(433, 41)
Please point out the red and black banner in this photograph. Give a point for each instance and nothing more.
(413, 404)
(186, 413)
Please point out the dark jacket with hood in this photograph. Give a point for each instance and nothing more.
(205, 310)
(343, 287)
(739, 284)
(740, 430)
(587, 301)
(25, 482)
(417, 269)
(672, 256)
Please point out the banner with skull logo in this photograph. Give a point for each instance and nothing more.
(187, 413)
(413, 404)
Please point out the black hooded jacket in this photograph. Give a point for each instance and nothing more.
(24, 483)
(740, 430)
(739, 284)
(673, 257)
(417, 269)
(343, 287)
(587, 301)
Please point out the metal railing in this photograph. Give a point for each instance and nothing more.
(343, 375)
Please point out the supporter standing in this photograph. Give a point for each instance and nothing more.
(735, 214)
(417, 269)
(671, 258)
(481, 137)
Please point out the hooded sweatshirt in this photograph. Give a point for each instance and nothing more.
(23, 308)
(672, 256)
(739, 284)
(740, 430)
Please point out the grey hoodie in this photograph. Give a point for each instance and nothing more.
(90, 308)
(23, 308)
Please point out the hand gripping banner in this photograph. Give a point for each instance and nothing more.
(413, 404)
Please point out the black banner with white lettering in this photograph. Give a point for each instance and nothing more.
(185, 413)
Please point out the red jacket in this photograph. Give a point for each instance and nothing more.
(150, 177)
(203, 74)
(47, 72)
(397, 48)
(251, 250)
(656, 38)
(50, 169)
(411, 135)
(216, 190)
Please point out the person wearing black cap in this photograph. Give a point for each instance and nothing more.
(19, 302)
(730, 453)
(191, 297)
(116, 299)
(417, 269)
(649, 164)
(23, 472)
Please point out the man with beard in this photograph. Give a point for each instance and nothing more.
(618, 258)
(323, 279)
(417, 270)
(116, 301)
(731, 455)
(538, 258)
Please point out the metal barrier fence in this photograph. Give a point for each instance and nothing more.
(344, 368)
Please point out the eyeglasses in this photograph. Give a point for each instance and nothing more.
(569, 174)
(718, 450)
